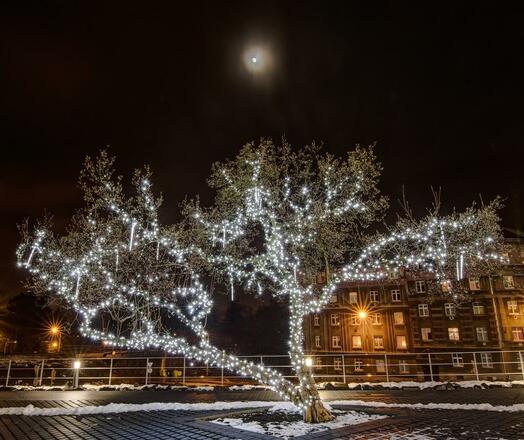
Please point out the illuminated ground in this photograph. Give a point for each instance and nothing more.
(403, 423)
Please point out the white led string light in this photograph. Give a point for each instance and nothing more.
(125, 264)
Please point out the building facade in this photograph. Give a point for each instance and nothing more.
(395, 330)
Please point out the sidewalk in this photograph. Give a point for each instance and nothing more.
(402, 423)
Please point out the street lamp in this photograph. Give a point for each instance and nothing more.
(309, 362)
(54, 330)
(76, 372)
(362, 314)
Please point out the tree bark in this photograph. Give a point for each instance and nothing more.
(307, 393)
(316, 412)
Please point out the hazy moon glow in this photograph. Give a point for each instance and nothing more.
(257, 60)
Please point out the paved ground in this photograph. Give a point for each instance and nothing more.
(402, 423)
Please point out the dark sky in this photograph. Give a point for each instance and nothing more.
(439, 88)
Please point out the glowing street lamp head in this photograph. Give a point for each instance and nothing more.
(362, 314)
(308, 361)
(54, 329)
(254, 59)
(76, 365)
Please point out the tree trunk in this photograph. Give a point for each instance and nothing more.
(306, 394)
(316, 412)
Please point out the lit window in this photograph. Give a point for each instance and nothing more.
(457, 360)
(333, 299)
(482, 334)
(507, 281)
(445, 286)
(398, 318)
(378, 342)
(517, 333)
(395, 295)
(359, 365)
(356, 341)
(423, 310)
(355, 320)
(513, 307)
(486, 360)
(401, 342)
(337, 362)
(316, 320)
(453, 333)
(335, 341)
(450, 310)
(403, 367)
(420, 286)
(380, 366)
(478, 309)
(318, 362)
(374, 297)
(317, 341)
(335, 319)
(426, 333)
(474, 283)
(376, 318)
(353, 297)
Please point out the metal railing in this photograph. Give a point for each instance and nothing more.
(333, 367)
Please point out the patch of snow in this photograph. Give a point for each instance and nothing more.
(248, 387)
(297, 428)
(31, 410)
(419, 385)
(518, 407)
(112, 408)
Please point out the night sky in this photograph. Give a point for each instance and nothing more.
(438, 88)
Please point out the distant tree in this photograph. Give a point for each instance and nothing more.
(279, 218)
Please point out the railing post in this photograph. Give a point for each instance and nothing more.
(8, 372)
(430, 367)
(184, 372)
(110, 371)
(521, 359)
(343, 369)
(386, 365)
(41, 373)
(475, 366)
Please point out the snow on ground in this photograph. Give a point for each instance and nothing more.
(30, 410)
(321, 386)
(518, 407)
(419, 385)
(248, 387)
(295, 428)
(122, 387)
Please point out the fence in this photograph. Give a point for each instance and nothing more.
(333, 367)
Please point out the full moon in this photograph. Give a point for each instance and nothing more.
(258, 60)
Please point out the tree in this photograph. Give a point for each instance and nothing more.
(279, 218)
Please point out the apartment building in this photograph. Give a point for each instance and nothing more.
(377, 324)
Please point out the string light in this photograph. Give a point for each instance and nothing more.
(152, 279)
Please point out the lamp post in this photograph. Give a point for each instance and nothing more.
(55, 332)
(76, 373)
